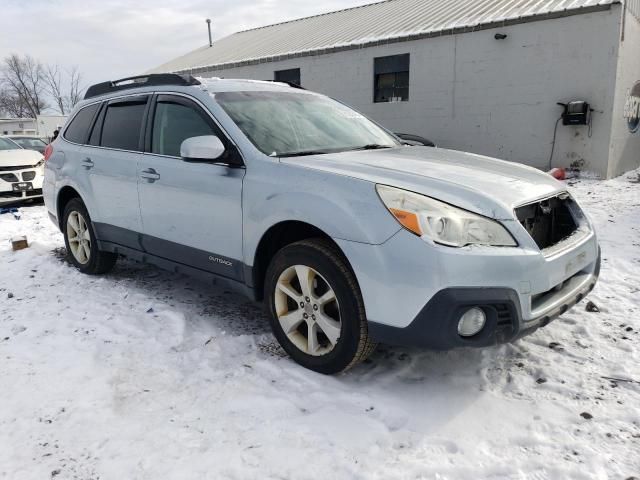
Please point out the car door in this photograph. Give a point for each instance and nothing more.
(106, 165)
(111, 160)
(191, 211)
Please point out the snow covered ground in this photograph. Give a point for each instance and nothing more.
(144, 374)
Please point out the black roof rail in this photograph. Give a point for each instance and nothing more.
(140, 81)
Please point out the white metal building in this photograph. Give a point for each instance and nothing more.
(47, 124)
(42, 126)
(17, 126)
(478, 75)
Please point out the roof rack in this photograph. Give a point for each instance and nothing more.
(139, 82)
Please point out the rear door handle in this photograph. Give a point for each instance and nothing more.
(150, 174)
(87, 163)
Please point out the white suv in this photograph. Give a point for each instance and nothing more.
(21, 173)
(350, 237)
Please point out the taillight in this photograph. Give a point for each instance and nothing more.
(48, 152)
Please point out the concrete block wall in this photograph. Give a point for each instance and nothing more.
(493, 97)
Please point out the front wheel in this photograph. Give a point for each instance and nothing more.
(80, 240)
(316, 307)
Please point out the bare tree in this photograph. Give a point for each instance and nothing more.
(65, 99)
(26, 84)
(11, 105)
(23, 79)
(76, 91)
(53, 80)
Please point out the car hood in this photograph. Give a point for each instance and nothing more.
(19, 158)
(483, 185)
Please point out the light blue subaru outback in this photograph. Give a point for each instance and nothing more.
(350, 237)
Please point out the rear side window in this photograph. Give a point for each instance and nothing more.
(79, 127)
(175, 122)
(122, 124)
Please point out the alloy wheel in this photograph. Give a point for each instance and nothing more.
(308, 311)
(79, 237)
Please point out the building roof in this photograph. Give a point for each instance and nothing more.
(13, 120)
(382, 22)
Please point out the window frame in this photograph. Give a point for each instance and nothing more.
(97, 126)
(236, 159)
(232, 156)
(91, 123)
(381, 70)
(103, 115)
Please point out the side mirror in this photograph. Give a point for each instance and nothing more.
(208, 148)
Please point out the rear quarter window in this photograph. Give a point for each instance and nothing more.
(79, 127)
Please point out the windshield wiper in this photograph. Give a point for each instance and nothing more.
(373, 146)
(303, 153)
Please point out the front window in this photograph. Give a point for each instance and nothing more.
(6, 144)
(175, 122)
(282, 124)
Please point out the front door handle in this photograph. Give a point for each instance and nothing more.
(87, 163)
(150, 174)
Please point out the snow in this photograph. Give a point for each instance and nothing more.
(144, 374)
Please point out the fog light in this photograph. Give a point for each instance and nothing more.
(471, 322)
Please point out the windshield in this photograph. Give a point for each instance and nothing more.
(6, 144)
(28, 142)
(297, 123)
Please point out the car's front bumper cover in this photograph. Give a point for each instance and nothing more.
(436, 325)
(30, 175)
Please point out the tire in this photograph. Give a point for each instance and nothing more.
(84, 253)
(338, 326)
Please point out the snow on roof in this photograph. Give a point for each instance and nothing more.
(382, 22)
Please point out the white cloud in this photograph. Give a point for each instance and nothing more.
(114, 38)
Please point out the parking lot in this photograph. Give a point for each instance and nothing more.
(148, 374)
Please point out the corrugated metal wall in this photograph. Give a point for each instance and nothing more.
(633, 6)
(380, 22)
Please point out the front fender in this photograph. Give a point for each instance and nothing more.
(344, 208)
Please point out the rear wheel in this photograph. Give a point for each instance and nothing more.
(80, 240)
(316, 307)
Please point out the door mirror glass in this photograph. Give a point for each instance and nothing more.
(207, 148)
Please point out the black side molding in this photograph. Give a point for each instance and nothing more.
(176, 267)
(127, 242)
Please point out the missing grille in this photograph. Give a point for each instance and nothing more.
(549, 221)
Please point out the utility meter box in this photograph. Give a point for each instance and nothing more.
(576, 113)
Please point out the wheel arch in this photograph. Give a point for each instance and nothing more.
(65, 195)
(277, 237)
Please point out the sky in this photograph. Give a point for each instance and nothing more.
(111, 39)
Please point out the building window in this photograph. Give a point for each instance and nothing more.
(391, 77)
(290, 76)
